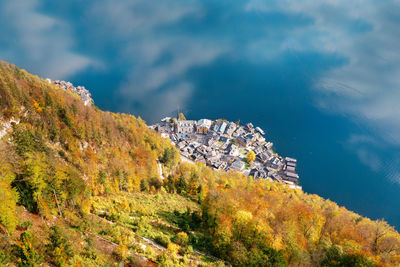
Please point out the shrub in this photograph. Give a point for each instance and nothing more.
(4, 259)
(121, 252)
(144, 185)
(24, 251)
(88, 251)
(162, 240)
(64, 117)
(186, 250)
(181, 238)
(173, 248)
(334, 256)
(58, 248)
(26, 225)
(156, 182)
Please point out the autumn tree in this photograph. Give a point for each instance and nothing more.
(24, 251)
(8, 195)
(251, 156)
(181, 116)
(8, 199)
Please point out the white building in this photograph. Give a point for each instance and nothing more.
(203, 126)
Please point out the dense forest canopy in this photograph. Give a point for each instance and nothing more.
(82, 186)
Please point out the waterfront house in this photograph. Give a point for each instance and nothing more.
(260, 140)
(249, 127)
(230, 128)
(287, 159)
(291, 164)
(185, 126)
(239, 131)
(290, 169)
(274, 163)
(291, 176)
(269, 145)
(215, 126)
(222, 127)
(203, 126)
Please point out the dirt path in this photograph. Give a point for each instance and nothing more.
(160, 170)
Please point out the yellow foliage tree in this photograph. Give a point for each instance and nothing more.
(251, 156)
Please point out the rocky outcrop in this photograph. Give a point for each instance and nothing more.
(6, 125)
(83, 93)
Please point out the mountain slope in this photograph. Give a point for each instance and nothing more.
(82, 186)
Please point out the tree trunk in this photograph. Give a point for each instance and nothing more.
(58, 206)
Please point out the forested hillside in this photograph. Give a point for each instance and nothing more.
(80, 186)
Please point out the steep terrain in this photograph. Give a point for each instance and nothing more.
(80, 186)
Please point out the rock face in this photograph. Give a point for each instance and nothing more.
(83, 93)
(5, 126)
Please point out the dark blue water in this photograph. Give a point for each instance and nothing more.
(320, 78)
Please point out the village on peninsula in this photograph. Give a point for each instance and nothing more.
(219, 144)
(224, 145)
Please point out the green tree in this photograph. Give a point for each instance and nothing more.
(335, 257)
(4, 259)
(32, 181)
(58, 248)
(170, 157)
(181, 239)
(25, 252)
(144, 185)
